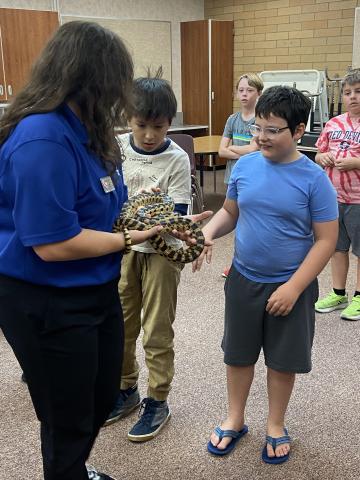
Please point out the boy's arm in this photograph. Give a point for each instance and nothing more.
(233, 152)
(324, 157)
(244, 149)
(283, 299)
(222, 222)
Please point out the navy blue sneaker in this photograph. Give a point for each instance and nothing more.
(127, 401)
(154, 415)
(93, 474)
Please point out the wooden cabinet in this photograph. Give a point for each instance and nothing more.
(23, 34)
(207, 73)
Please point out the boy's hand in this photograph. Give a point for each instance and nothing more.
(281, 301)
(187, 236)
(345, 164)
(326, 159)
(205, 254)
(199, 217)
(149, 190)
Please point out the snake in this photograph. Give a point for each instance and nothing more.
(147, 209)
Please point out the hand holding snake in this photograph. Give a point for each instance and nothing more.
(149, 209)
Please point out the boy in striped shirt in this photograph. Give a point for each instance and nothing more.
(339, 154)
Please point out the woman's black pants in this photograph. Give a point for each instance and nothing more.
(69, 343)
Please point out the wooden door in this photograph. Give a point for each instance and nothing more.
(3, 96)
(222, 46)
(24, 34)
(195, 72)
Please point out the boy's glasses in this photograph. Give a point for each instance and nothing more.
(269, 132)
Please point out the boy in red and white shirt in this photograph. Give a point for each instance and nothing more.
(339, 154)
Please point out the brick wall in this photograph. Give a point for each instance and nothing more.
(288, 34)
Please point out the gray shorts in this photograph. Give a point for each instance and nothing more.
(349, 228)
(286, 341)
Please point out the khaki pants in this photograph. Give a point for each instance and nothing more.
(148, 293)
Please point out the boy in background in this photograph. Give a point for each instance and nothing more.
(237, 139)
(284, 212)
(339, 155)
(148, 284)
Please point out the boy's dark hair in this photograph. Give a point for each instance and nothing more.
(284, 102)
(153, 98)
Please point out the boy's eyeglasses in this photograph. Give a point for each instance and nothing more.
(269, 132)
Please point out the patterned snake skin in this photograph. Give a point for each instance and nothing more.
(146, 210)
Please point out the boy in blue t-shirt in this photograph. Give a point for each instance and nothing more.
(286, 205)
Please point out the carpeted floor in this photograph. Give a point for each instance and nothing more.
(323, 417)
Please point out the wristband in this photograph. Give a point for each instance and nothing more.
(128, 241)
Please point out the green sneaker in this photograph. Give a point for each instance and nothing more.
(352, 312)
(331, 302)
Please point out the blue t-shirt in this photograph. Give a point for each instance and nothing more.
(50, 189)
(277, 204)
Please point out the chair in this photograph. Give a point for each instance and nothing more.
(186, 142)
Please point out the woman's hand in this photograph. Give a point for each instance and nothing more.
(282, 301)
(140, 236)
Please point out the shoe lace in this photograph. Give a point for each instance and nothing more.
(92, 473)
(146, 410)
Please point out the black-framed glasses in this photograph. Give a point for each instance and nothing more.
(269, 132)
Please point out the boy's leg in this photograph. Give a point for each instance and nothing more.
(160, 281)
(339, 269)
(340, 259)
(280, 386)
(287, 349)
(242, 340)
(358, 275)
(131, 300)
(239, 380)
(337, 299)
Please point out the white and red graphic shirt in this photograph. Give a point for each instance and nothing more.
(341, 137)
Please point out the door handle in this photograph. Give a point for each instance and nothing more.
(1, 90)
(10, 90)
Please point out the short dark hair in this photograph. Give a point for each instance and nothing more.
(284, 102)
(153, 98)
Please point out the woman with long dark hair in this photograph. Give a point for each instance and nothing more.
(61, 188)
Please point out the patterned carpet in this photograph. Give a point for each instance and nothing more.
(323, 417)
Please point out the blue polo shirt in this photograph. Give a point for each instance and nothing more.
(50, 189)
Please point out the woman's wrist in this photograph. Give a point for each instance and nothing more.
(127, 241)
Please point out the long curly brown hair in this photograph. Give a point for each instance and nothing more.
(86, 64)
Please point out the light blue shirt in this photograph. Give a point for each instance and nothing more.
(277, 204)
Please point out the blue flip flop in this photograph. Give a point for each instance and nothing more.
(274, 442)
(233, 434)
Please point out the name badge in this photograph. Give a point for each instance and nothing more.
(107, 184)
